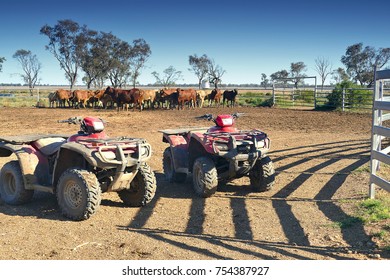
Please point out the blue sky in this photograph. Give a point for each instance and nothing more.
(246, 38)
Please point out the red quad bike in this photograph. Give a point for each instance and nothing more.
(216, 154)
(77, 169)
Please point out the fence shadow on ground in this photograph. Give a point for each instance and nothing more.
(357, 152)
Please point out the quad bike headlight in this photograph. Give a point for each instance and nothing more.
(98, 126)
(144, 151)
(221, 146)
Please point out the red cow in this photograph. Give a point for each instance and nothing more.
(80, 97)
(230, 95)
(63, 96)
(122, 96)
(185, 95)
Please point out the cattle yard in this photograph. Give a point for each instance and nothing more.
(321, 162)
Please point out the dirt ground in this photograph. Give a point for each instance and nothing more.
(316, 155)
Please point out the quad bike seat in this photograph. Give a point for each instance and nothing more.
(49, 146)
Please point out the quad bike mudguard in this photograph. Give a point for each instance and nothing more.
(105, 154)
(33, 163)
(178, 142)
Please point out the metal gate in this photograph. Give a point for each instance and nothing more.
(379, 154)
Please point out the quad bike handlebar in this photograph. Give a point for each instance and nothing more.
(210, 117)
(73, 120)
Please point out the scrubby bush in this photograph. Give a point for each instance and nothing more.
(355, 96)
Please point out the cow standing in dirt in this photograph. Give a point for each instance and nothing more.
(230, 96)
(64, 96)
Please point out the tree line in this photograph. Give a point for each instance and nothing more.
(359, 64)
(102, 56)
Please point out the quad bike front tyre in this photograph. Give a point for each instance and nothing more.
(12, 189)
(78, 194)
(142, 188)
(262, 175)
(169, 170)
(204, 177)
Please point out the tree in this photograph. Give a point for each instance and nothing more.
(119, 61)
(215, 73)
(280, 75)
(297, 72)
(2, 59)
(140, 52)
(66, 43)
(94, 58)
(31, 67)
(170, 76)
(264, 80)
(340, 75)
(199, 66)
(360, 62)
(323, 68)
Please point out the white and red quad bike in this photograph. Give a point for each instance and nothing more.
(218, 154)
(77, 168)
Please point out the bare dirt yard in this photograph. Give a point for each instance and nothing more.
(321, 163)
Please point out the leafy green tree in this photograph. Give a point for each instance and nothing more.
(94, 59)
(264, 80)
(119, 61)
(140, 52)
(297, 72)
(355, 95)
(360, 62)
(31, 67)
(340, 75)
(67, 41)
(199, 66)
(281, 75)
(169, 77)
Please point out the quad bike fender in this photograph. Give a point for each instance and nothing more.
(204, 141)
(179, 151)
(34, 165)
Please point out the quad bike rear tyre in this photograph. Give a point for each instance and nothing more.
(12, 189)
(169, 170)
(262, 175)
(204, 177)
(142, 188)
(78, 194)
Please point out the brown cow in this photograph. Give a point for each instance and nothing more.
(123, 97)
(185, 95)
(230, 95)
(215, 96)
(167, 95)
(80, 97)
(63, 96)
(96, 99)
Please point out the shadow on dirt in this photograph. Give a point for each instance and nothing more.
(324, 155)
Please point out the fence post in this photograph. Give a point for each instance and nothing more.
(343, 99)
(315, 92)
(273, 95)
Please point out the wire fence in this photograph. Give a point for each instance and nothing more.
(308, 97)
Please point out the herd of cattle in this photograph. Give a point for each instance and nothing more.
(141, 98)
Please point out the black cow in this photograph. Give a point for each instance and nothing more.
(230, 95)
